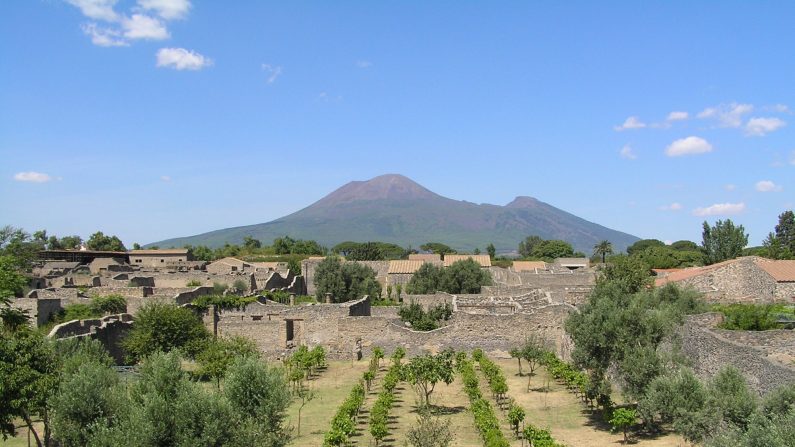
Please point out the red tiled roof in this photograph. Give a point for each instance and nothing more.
(692, 272)
(483, 260)
(781, 271)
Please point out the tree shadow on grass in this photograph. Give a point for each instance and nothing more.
(439, 410)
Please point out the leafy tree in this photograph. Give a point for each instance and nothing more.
(12, 281)
(429, 431)
(552, 249)
(464, 276)
(722, 241)
(438, 248)
(250, 243)
(28, 378)
(527, 246)
(287, 245)
(773, 248)
(516, 415)
(98, 241)
(425, 371)
(785, 230)
(219, 354)
(644, 244)
(491, 250)
(426, 279)
(425, 321)
(622, 419)
(260, 393)
(164, 327)
(628, 273)
(684, 245)
(17, 244)
(603, 249)
(731, 397)
(201, 253)
(666, 257)
(368, 251)
(345, 282)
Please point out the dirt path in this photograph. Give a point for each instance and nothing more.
(564, 415)
(331, 388)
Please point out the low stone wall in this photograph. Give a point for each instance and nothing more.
(429, 301)
(785, 292)
(738, 281)
(70, 293)
(110, 331)
(138, 292)
(39, 309)
(752, 354)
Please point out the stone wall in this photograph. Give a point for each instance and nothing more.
(429, 301)
(785, 291)
(753, 354)
(505, 277)
(69, 293)
(109, 330)
(739, 281)
(39, 310)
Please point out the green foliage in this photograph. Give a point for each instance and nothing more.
(722, 241)
(485, 420)
(622, 330)
(644, 244)
(12, 281)
(437, 248)
(425, 371)
(628, 273)
(164, 327)
(17, 244)
(240, 285)
(685, 246)
(785, 231)
(749, 317)
(251, 243)
(343, 424)
(516, 415)
(539, 437)
(218, 355)
(193, 283)
(426, 279)
(667, 257)
(491, 250)
(421, 320)
(731, 398)
(99, 241)
(225, 302)
(108, 304)
(369, 251)
(345, 281)
(28, 377)
(289, 246)
(622, 419)
(465, 276)
(602, 249)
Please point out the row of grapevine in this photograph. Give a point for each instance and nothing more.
(485, 420)
(344, 423)
(590, 390)
(494, 376)
(304, 363)
(379, 414)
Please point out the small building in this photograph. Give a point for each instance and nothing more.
(234, 265)
(529, 266)
(159, 258)
(425, 257)
(483, 260)
(572, 263)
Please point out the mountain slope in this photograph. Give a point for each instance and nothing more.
(393, 208)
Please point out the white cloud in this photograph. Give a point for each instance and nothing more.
(165, 178)
(763, 126)
(628, 153)
(273, 71)
(140, 26)
(676, 206)
(103, 37)
(730, 187)
(633, 122)
(688, 146)
(32, 176)
(97, 9)
(727, 115)
(780, 108)
(167, 9)
(182, 59)
(767, 186)
(792, 158)
(364, 64)
(677, 116)
(720, 209)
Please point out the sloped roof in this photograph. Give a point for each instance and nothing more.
(405, 266)
(483, 260)
(781, 271)
(529, 266)
(425, 257)
(169, 251)
(572, 261)
(683, 274)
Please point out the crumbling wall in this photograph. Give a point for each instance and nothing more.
(109, 330)
(742, 281)
(39, 310)
(785, 292)
(711, 349)
(429, 301)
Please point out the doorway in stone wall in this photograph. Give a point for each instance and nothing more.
(293, 332)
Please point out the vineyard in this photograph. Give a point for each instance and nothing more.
(483, 400)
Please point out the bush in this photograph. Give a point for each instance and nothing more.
(193, 283)
(421, 320)
(165, 327)
(224, 302)
(748, 317)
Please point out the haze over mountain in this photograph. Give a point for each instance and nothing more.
(393, 208)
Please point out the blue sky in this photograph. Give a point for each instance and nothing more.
(152, 119)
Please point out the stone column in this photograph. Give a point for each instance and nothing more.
(292, 299)
(328, 297)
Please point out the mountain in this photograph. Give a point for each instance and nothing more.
(393, 208)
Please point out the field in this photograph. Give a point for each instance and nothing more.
(568, 420)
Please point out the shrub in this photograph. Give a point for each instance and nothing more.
(193, 283)
(425, 321)
(165, 327)
(748, 317)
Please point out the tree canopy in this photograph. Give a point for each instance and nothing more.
(722, 241)
(438, 248)
(99, 241)
(464, 276)
(345, 281)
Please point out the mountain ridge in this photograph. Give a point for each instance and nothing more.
(394, 208)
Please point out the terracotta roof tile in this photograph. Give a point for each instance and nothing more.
(405, 266)
(781, 271)
(483, 260)
(425, 257)
(529, 266)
